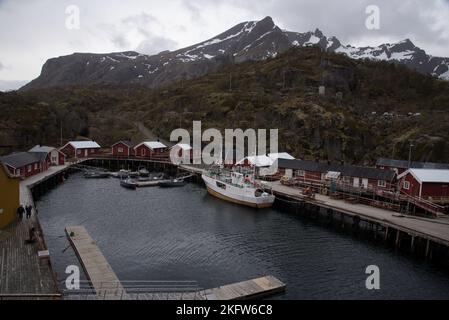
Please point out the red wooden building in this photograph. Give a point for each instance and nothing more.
(344, 175)
(425, 183)
(57, 158)
(26, 164)
(80, 149)
(124, 148)
(150, 149)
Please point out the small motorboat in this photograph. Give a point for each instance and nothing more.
(121, 174)
(128, 183)
(173, 183)
(96, 175)
(143, 172)
(157, 176)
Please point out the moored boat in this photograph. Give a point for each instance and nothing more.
(173, 183)
(96, 175)
(237, 187)
(128, 183)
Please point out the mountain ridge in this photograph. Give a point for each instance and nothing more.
(250, 40)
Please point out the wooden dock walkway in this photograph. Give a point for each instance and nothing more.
(22, 274)
(250, 289)
(436, 230)
(103, 279)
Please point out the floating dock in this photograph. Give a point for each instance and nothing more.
(103, 278)
(250, 289)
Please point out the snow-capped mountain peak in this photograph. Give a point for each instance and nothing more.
(250, 40)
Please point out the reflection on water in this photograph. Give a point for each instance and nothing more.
(185, 234)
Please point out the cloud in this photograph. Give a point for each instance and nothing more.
(140, 32)
(150, 26)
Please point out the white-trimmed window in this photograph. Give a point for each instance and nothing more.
(381, 183)
(35, 166)
(142, 152)
(29, 168)
(406, 185)
(78, 151)
(300, 173)
(120, 150)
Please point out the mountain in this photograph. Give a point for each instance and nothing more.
(252, 40)
(370, 109)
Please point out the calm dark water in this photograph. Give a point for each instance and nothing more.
(185, 234)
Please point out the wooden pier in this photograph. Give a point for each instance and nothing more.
(24, 274)
(103, 279)
(250, 289)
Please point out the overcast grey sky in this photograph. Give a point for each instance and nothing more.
(31, 31)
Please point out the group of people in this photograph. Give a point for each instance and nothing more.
(27, 211)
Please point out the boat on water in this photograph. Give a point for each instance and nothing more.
(128, 183)
(143, 172)
(237, 186)
(173, 183)
(96, 175)
(122, 174)
(151, 177)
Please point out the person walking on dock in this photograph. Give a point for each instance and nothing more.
(20, 212)
(28, 209)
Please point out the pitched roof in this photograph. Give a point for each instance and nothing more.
(363, 172)
(258, 161)
(83, 144)
(414, 164)
(152, 145)
(306, 165)
(183, 146)
(280, 155)
(39, 148)
(127, 143)
(20, 159)
(428, 175)
(345, 170)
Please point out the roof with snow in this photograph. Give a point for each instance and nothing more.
(183, 146)
(280, 155)
(83, 144)
(258, 161)
(428, 175)
(39, 148)
(152, 145)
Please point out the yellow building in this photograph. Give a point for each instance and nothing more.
(9, 196)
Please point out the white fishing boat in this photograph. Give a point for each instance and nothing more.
(237, 187)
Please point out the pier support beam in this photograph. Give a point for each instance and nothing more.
(412, 244)
(398, 239)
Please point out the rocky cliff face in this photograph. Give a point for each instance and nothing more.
(253, 40)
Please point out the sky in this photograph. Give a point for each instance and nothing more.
(32, 31)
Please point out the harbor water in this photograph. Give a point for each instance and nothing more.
(185, 234)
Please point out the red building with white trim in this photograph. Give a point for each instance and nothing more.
(150, 149)
(80, 149)
(425, 183)
(123, 148)
(26, 164)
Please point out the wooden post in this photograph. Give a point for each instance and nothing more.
(412, 244)
(398, 235)
(386, 233)
(427, 248)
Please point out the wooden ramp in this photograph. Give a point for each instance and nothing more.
(250, 289)
(103, 279)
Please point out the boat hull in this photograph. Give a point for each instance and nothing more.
(237, 195)
(229, 199)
